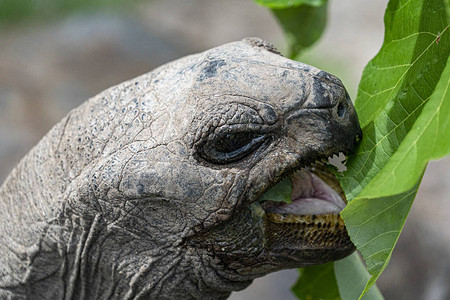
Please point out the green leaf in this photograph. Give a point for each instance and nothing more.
(344, 279)
(396, 85)
(374, 225)
(317, 282)
(303, 25)
(277, 4)
(407, 59)
(428, 139)
(403, 106)
(303, 21)
(351, 275)
(281, 192)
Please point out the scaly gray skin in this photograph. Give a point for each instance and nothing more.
(136, 194)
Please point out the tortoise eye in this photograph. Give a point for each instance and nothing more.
(231, 147)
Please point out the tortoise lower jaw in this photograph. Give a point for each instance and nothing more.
(293, 241)
(327, 231)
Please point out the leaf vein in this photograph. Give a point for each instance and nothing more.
(378, 236)
(377, 252)
(404, 73)
(384, 210)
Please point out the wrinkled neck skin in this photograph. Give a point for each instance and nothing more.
(94, 207)
(133, 195)
(74, 216)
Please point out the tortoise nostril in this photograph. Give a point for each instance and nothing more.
(342, 109)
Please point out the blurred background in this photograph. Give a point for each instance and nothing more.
(56, 54)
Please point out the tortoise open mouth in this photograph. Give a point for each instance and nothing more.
(312, 220)
(315, 191)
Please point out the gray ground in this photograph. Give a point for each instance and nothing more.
(47, 69)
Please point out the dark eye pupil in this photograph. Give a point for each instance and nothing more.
(233, 141)
(231, 147)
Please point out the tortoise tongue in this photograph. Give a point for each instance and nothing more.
(310, 196)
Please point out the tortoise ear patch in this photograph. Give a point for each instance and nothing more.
(257, 42)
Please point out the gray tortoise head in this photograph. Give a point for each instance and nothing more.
(151, 189)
